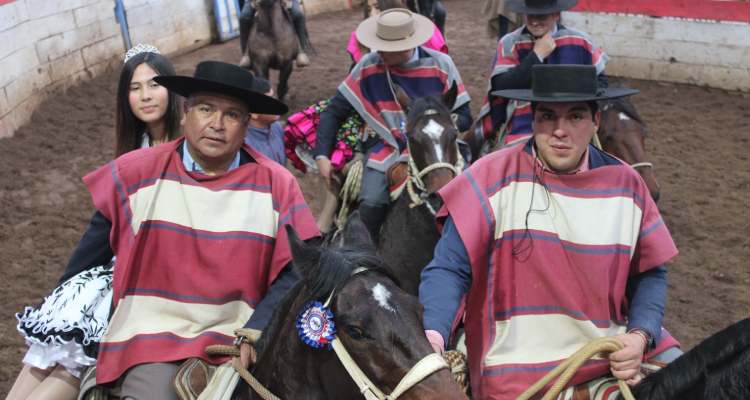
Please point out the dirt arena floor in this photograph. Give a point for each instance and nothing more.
(698, 143)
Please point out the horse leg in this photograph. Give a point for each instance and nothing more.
(284, 73)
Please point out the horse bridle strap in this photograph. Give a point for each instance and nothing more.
(425, 367)
(414, 178)
(644, 164)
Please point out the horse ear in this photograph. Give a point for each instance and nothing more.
(402, 98)
(449, 97)
(304, 256)
(356, 233)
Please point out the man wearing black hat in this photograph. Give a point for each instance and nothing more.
(550, 243)
(196, 226)
(541, 40)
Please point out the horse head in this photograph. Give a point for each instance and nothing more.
(431, 135)
(622, 133)
(377, 324)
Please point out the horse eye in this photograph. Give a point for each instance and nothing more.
(355, 332)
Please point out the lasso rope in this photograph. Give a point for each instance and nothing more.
(569, 367)
(234, 352)
(350, 190)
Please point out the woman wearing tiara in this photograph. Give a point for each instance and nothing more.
(63, 332)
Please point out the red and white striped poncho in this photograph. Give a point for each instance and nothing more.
(546, 282)
(195, 253)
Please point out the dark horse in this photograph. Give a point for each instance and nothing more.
(379, 324)
(622, 133)
(273, 43)
(718, 368)
(409, 233)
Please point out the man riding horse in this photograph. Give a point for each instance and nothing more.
(550, 243)
(197, 227)
(432, 9)
(541, 40)
(397, 59)
(247, 18)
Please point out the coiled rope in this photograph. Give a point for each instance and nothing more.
(234, 352)
(569, 367)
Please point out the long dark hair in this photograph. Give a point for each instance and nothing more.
(129, 128)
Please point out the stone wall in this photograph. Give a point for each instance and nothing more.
(699, 52)
(49, 45)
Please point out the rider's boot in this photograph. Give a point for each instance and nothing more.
(373, 216)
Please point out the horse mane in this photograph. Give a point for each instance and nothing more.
(715, 367)
(419, 106)
(334, 268)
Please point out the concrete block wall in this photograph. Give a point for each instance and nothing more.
(49, 45)
(699, 52)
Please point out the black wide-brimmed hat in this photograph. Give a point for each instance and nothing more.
(564, 84)
(225, 79)
(538, 7)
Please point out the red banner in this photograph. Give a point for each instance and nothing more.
(721, 10)
(6, 1)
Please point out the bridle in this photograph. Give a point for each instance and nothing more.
(425, 367)
(643, 164)
(414, 180)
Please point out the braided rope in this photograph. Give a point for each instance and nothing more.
(234, 352)
(350, 191)
(569, 367)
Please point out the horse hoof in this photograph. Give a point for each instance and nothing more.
(245, 62)
(302, 60)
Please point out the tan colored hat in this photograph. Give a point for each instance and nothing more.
(397, 29)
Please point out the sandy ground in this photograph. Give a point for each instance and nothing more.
(697, 143)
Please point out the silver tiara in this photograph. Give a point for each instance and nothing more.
(138, 49)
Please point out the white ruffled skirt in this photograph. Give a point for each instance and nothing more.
(67, 326)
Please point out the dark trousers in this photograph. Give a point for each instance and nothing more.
(433, 9)
(374, 197)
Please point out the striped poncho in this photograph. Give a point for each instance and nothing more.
(547, 281)
(573, 47)
(368, 91)
(195, 253)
